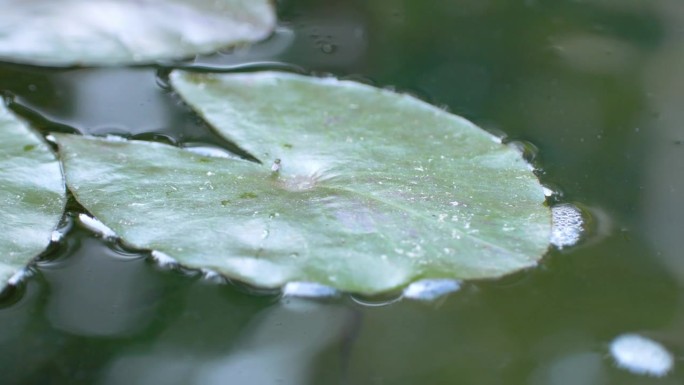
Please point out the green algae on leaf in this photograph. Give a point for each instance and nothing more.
(111, 32)
(32, 194)
(377, 189)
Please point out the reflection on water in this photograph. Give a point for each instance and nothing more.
(663, 183)
(575, 368)
(596, 53)
(99, 294)
(280, 345)
(108, 100)
(595, 85)
(283, 345)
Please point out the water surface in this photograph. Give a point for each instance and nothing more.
(596, 85)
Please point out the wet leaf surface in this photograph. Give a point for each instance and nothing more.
(361, 189)
(32, 194)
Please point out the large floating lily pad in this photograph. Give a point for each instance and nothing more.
(108, 32)
(371, 189)
(32, 194)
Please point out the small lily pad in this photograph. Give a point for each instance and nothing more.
(32, 194)
(86, 32)
(373, 190)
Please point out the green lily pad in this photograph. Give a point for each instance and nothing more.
(32, 194)
(86, 32)
(359, 188)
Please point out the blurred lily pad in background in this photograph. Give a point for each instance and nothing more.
(114, 32)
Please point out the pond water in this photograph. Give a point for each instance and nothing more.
(594, 88)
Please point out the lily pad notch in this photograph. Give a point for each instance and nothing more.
(373, 189)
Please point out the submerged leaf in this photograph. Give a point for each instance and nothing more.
(361, 189)
(108, 32)
(32, 194)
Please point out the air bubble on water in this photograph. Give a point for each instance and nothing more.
(96, 226)
(431, 289)
(567, 225)
(641, 355)
(51, 138)
(18, 277)
(308, 290)
(163, 259)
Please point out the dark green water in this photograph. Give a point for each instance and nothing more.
(596, 85)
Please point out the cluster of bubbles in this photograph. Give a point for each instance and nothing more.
(568, 225)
